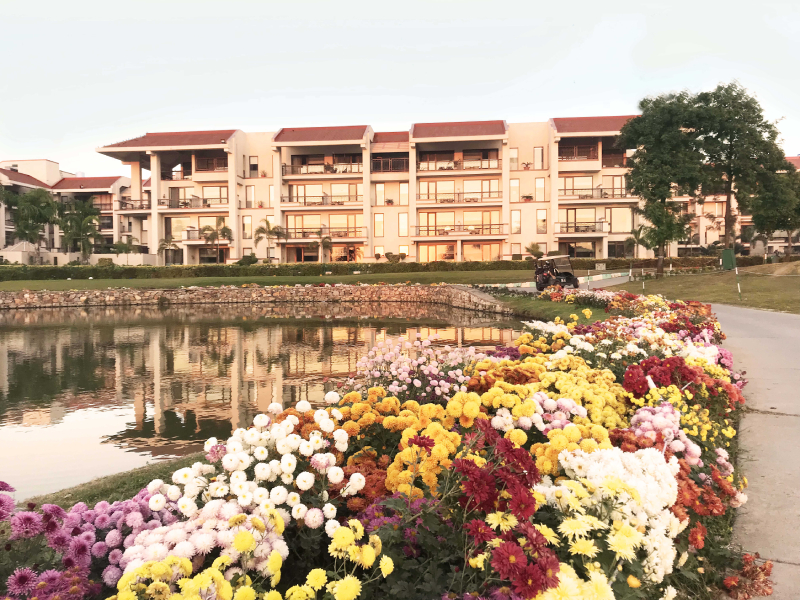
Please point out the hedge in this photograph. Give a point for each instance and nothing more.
(26, 272)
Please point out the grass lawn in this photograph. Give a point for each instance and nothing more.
(758, 291)
(544, 310)
(117, 487)
(434, 277)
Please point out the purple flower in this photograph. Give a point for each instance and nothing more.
(71, 520)
(89, 516)
(113, 538)
(80, 507)
(26, 524)
(79, 548)
(6, 506)
(100, 549)
(69, 562)
(114, 556)
(59, 540)
(216, 453)
(50, 577)
(103, 521)
(21, 582)
(102, 507)
(88, 537)
(134, 519)
(129, 541)
(116, 515)
(4, 487)
(111, 575)
(51, 526)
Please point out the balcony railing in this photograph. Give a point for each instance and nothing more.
(311, 233)
(212, 164)
(577, 153)
(459, 165)
(453, 197)
(103, 205)
(134, 204)
(460, 230)
(581, 227)
(181, 175)
(390, 165)
(324, 169)
(346, 232)
(192, 235)
(336, 200)
(583, 193)
(193, 202)
(613, 160)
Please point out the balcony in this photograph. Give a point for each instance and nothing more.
(207, 165)
(343, 200)
(103, 205)
(460, 230)
(582, 227)
(193, 202)
(611, 161)
(134, 204)
(594, 193)
(578, 158)
(460, 197)
(323, 169)
(390, 165)
(313, 234)
(182, 175)
(460, 165)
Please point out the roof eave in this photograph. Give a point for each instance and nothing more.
(564, 134)
(356, 142)
(461, 138)
(120, 149)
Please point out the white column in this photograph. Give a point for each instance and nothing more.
(505, 212)
(552, 241)
(158, 400)
(277, 187)
(367, 204)
(233, 203)
(154, 225)
(3, 225)
(413, 219)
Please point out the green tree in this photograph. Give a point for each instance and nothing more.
(268, 232)
(213, 235)
(741, 157)
(31, 212)
(167, 243)
(79, 221)
(534, 250)
(636, 239)
(126, 247)
(776, 205)
(666, 162)
(323, 244)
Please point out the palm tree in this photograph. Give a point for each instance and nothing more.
(79, 221)
(638, 238)
(32, 211)
(213, 235)
(325, 244)
(123, 247)
(533, 250)
(167, 243)
(268, 232)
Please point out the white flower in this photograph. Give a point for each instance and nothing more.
(173, 493)
(331, 527)
(278, 495)
(230, 462)
(287, 478)
(210, 443)
(340, 435)
(234, 445)
(261, 421)
(275, 408)
(293, 499)
(260, 495)
(182, 476)
(332, 398)
(303, 406)
(305, 481)
(329, 510)
(262, 471)
(157, 502)
(299, 511)
(187, 507)
(252, 436)
(245, 499)
(341, 446)
(283, 446)
(154, 486)
(306, 448)
(288, 463)
(320, 415)
(327, 425)
(314, 518)
(238, 477)
(335, 475)
(260, 453)
(337, 414)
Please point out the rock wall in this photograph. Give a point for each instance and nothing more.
(450, 295)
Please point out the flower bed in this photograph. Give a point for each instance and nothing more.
(586, 461)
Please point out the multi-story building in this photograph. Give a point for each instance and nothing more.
(477, 190)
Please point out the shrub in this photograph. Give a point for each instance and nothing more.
(248, 260)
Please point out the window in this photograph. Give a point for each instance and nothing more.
(541, 220)
(513, 158)
(403, 194)
(402, 224)
(620, 219)
(516, 221)
(247, 227)
(538, 157)
(432, 223)
(617, 250)
(484, 252)
(514, 192)
(250, 196)
(477, 189)
(244, 166)
(210, 222)
(540, 190)
(303, 226)
(380, 194)
(175, 226)
(483, 222)
(212, 193)
(614, 186)
(346, 225)
(378, 229)
(516, 249)
(433, 161)
(253, 166)
(438, 191)
(403, 250)
(271, 196)
(380, 251)
(574, 186)
(432, 252)
(106, 222)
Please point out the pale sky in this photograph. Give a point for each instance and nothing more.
(76, 75)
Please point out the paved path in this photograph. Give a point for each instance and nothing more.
(767, 346)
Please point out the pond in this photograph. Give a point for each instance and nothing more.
(88, 393)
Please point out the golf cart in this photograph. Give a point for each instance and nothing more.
(554, 270)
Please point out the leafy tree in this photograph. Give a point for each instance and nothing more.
(534, 250)
(325, 244)
(666, 162)
(126, 247)
(776, 205)
(636, 239)
(213, 235)
(741, 157)
(31, 212)
(167, 243)
(269, 232)
(79, 221)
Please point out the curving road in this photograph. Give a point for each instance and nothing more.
(767, 346)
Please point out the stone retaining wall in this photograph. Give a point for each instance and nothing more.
(450, 295)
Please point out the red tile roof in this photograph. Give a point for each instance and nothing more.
(321, 134)
(177, 138)
(587, 124)
(458, 129)
(146, 182)
(795, 160)
(382, 137)
(23, 179)
(87, 183)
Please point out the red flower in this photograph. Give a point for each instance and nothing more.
(508, 559)
(522, 507)
(697, 536)
(479, 531)
(422, 441)
(731, 582)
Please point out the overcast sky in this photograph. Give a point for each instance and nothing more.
(77, 75)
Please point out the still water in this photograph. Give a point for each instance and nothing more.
(85, 394)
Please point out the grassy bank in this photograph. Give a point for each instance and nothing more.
(528, 307)
(116, 487)
(759, 289)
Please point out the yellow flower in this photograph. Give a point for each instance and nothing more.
(376, 544)
(633, 582)
(245, 593)
(503, 521)
(258, 524)
(367, 558)
(221, 562)
(387, 566)
(276, 579)
(274, 562)
(244, 542)
(237, 520)
(574, 527)
(316, 579)
(357, 527)
(273, 595)
(550, 535)
(158, 589)
(477, 562)
(342, 538)
(583, 547)
(347, 589)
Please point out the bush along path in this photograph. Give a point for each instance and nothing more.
(593, 459)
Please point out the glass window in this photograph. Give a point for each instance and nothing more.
(516, 249)
(253, 166)
(541, 220)
(402, 224)
(247, 227)
(540, 189)
(215, 192)
(538, 158)
(514, 192)
(210, 222)
(403, 250)
(378, 229)
(621, 219)
(379, 250)
(380, 194)
(513, 158)
(176, 226)
(250, 196)
(403, 194)
(516, 221)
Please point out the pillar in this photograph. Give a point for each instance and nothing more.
(158, 400)
(277, 187)
(552, 240)
(413, 220)
(505, 212)
(369, 247)
(233, 203)
(154, 225)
